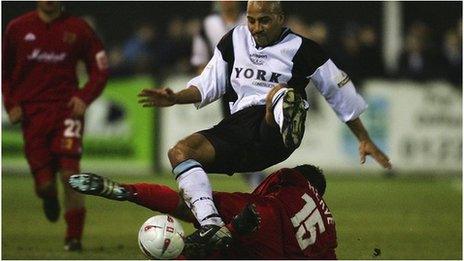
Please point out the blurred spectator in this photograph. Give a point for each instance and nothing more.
(138, 50)
(172, 52)
(417, 61)
(371, 53)
(452, 57)
(318, 31)
(118, 67)
(348, 55)
(226, 16)
(298, 25)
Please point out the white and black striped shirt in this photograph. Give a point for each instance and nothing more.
(245, 73)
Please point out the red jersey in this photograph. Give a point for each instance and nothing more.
(295, 221)
(39, 60)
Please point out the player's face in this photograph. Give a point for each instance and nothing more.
(264, 23)
(49, 7)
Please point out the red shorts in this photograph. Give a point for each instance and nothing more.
(52, 138)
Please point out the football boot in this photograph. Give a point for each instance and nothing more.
(73, 245)
(207, 239)
(294, 111)
(93, 184)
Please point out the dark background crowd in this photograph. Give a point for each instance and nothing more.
(155, 37)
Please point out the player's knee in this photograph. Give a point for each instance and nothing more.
(272, 92)
(44, 182)
(180, 152)
(45, 190)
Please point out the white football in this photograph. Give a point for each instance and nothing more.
(161, 237)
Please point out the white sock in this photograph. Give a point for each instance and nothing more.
(277, 104)
(197, 192)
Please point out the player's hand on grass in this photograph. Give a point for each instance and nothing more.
(77, 106)
(369, 148)
(247, 221)
(164, 97)
(15, 114)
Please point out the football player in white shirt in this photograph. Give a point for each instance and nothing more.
(262, 69)
(213, 28)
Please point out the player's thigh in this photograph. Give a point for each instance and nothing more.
(249, 144)
(268, 150)
(37, 126)
(232, 138)
(226, 153)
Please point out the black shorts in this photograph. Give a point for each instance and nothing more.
(244, 142)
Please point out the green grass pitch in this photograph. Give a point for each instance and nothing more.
(403, 217)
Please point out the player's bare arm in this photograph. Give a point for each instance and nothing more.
(366, 146)
(165, 97)
(15, 114)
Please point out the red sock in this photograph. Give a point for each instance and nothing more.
(155, 197)
(75, 220)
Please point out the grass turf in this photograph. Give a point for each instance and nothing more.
(402, 217)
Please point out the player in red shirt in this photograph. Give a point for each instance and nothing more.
(40, 90)
(295, 222)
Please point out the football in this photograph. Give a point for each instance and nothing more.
(161, 237)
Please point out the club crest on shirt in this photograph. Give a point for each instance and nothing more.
(69, 37)
(257, 58)
(29, 37)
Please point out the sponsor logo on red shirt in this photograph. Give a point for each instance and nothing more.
(49, 57)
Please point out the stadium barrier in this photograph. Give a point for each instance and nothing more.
(118, 133)
(419, 125)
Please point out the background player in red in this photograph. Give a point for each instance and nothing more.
(40, 90)
(295, 222)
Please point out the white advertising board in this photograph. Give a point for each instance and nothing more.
(419, 126)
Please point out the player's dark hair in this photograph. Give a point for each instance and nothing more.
(314, 175)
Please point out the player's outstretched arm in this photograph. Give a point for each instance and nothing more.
(165, 97)
(366, 145)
